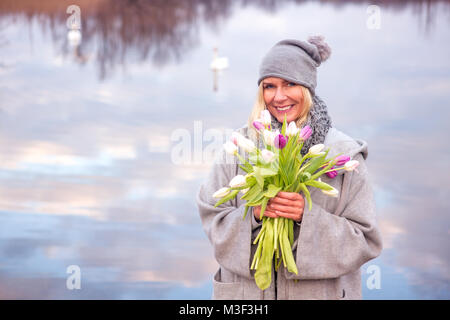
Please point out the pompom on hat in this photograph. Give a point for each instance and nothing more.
(296, 61)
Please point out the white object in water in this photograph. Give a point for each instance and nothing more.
(74, 37)
(218, 63)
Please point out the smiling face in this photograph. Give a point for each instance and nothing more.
(282, 98)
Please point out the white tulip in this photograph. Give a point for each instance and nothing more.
(238, 181)
(269, 137)
(351, 165)
(265, 117)
(292, 129)
(246, 144)
(236, 136)
(333, 193)
(268, 155)
(316, 149)
(222, 192)
(230, 147)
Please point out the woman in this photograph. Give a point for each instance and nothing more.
(335, 238)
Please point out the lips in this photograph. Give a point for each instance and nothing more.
(284, 108)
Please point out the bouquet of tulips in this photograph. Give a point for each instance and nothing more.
(278, 167)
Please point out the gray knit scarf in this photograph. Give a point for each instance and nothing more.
(319, 121)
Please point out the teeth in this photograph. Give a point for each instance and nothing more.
(285, 108)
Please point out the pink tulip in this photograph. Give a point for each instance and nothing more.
(280, 141)
(235, 137)
(332, 174)
(341, 160)
(305, 133)
(258, 125)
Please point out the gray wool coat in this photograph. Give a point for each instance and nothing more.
(331, 243)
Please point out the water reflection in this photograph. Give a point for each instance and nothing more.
(117, 32)
(86, 174)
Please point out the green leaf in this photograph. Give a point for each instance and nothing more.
(290, 261)
(252, 192)
(272, 191)
(245, 212)
(305, 176)
(306, 194)
(265, 172)
(249, 167)
(290, 187)
(263, 274)
(283, 128)
(245, 169)
(290, 226)
(256, 201)
(228, 197)
(259, 178)
(316, 162)
(319, 184)
(263, 207)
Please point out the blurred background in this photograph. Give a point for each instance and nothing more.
(97, 100)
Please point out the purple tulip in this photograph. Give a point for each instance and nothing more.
(280, 141)
(332, 174)
(258, 125)
(341, 160)
(305, 133)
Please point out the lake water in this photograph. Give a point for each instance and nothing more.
(107, 132)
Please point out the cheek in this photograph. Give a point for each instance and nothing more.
(267, 98)
(299, 95)
(299, 99)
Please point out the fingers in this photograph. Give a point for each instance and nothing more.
(294, 216)
(268, 213)
(288, 209)
(285, 204)
(294, 213)
(289, 195)
(299, 202)
(271, 214)
(288, 205)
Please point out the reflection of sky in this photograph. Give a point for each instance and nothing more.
(86, 176)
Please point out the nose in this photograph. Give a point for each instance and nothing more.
(279, 95)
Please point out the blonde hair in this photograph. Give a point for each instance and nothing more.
(260, 105)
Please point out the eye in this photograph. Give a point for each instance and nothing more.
(268, 86)
(291, 84)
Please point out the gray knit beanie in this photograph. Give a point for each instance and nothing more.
(296, 61)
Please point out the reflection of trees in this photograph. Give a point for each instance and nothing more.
(425, 10)
(160, 30)
(115, 31)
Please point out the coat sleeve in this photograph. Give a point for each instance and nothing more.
(230, 235)
(330, 245)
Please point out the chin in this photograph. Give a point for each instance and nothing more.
(289, 118)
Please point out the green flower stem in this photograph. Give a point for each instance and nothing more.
(318, 174)
(242, 160)
(306, 156)
(336, 169)
(275, 237)
(261, 232)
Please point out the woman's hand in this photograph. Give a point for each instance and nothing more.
(285, 204)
